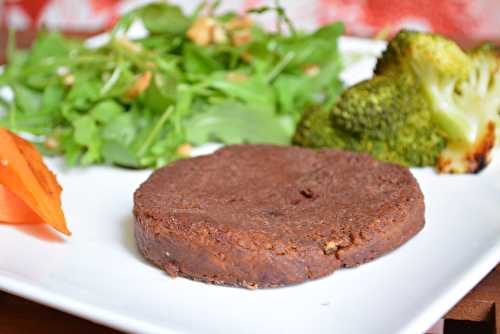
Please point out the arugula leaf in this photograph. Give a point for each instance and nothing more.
(160, 93)
(198, 61)
(232, 122)
(48, 47)
(122, 128)
(290, 93)
(118, 153)
(312, 49)
(86, 130)
(87, 135)
(27, 100)
(134, 103)
(106, 111)
(52, 98)
(118, 82)
(253, 91)
(84, 92)
(72, 150)
(164, 18)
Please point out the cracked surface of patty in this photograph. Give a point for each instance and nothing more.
(267, 216)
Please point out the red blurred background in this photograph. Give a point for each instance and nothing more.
(469, 22)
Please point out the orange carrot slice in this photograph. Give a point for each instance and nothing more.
(24, 174)
(15, 211)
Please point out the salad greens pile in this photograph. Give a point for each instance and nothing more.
(194, 79)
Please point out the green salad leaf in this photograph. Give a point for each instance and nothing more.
(194, 79)
(233, 122)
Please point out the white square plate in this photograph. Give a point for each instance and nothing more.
(98, 273)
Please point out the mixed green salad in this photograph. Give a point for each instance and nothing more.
(193, 79)
(208, 77)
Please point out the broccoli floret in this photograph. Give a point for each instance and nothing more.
(462, 90)
(425, 52)
(429, 103)
(477, 99)
(415, 143)
(385, 116)
(316, 131)
(377, 107)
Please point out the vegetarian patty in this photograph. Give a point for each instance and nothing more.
(266, 216)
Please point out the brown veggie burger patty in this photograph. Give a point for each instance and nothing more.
(266, 216)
